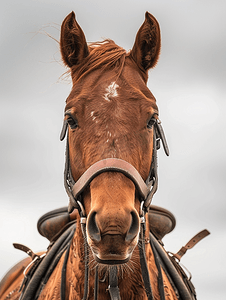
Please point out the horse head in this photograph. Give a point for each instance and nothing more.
(110, 114)
(113, 133)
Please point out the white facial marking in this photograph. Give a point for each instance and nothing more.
(111, 91)
(92, 115)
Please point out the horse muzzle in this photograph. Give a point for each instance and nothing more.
(113, 239)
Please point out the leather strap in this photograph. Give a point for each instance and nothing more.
(111, 165)
(63, 274)
(113, 284)
(197, 238)
(161, 135)
(34, 287)
(143, 264)
(25, 249)
(158, 266)
(178, 281)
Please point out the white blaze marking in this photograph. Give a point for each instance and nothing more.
(111, 91)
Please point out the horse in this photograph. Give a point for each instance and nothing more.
(113, 130)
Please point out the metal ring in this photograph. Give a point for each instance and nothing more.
(142, 209)
(82, 209)
(32, 262)
(83, 220)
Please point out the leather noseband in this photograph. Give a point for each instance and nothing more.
(110, 165)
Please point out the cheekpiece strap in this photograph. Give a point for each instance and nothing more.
(161, 135)
(64, 130)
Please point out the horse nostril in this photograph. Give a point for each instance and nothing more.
(134, 227)
(92, 228)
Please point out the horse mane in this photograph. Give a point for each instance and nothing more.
(103, 55)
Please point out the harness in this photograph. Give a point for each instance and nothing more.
(146, 190)
(38, 275)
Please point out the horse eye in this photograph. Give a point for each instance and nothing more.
(72, 122)
(151, 122)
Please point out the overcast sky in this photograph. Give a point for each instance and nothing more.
(188, 83)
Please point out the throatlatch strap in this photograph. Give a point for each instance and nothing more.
(113, 283)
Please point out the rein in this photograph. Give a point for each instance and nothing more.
(146, 190)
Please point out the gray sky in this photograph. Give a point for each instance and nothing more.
(189, 84)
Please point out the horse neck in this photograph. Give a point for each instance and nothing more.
(76, 266)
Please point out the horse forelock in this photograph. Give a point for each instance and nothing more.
(104, 56)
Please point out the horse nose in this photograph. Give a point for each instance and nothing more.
(92, 228)
(134, 227)
(132, 221)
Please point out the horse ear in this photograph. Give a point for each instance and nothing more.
(147, 44)
(73, 44)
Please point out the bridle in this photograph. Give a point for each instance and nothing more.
(40, 269)
(146, 190)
